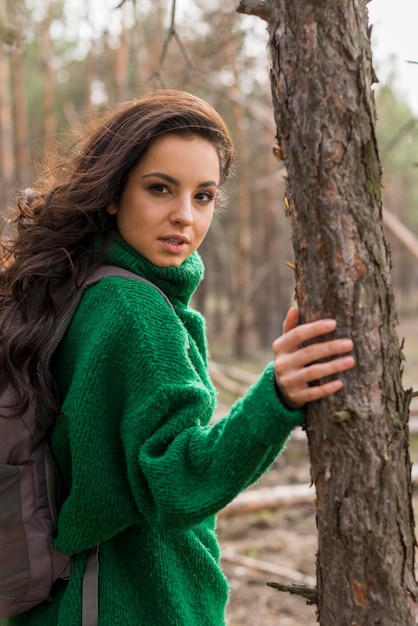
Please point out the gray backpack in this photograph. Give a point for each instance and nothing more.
(31, 495)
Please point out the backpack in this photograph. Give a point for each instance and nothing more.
(31, 493)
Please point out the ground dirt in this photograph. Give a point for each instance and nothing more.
(286, 536)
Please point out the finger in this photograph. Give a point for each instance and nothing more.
(318, 351)
(305, 332)
(319, 371)
(296, 383)
(309, 394)
(289, 375)
(291, 321)
(291, 363)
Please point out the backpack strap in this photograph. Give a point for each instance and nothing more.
(90, 589)
(90, 582)
(115, 271)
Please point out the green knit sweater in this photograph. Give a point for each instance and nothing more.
(146, 471)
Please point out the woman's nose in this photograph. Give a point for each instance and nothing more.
(183, 211)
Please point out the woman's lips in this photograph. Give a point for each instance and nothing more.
(174, 244)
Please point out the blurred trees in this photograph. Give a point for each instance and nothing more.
(64, 60)
(398, 138)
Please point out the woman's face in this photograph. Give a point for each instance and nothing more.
(167, 205)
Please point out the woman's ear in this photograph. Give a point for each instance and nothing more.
(112, 209)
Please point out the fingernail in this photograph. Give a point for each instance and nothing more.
(330, 324)
(346, 344)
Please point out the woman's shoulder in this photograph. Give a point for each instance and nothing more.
(126, 311)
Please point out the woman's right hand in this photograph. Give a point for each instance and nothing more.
(296, 365)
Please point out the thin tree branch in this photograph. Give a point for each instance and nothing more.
(183, 50)
(399, 135)
(170, 33)
(401, 232)
(260, 8)
(309, 593)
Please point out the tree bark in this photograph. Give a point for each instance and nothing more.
(321, 80)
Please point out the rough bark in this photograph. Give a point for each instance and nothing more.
(358, 439)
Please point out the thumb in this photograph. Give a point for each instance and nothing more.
(291, 321)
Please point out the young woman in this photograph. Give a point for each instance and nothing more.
(146, 472)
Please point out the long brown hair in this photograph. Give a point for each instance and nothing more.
(50, 254)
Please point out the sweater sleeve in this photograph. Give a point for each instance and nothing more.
(137, 407)
(193, 472)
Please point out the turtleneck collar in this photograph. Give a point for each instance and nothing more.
(179, 282)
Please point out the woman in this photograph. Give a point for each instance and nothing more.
(145, 471)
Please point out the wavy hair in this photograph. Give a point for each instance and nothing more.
(50, 253)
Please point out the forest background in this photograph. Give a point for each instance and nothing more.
(63, 61)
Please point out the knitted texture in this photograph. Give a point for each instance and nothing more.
(146, 471)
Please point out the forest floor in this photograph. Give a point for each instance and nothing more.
(285, 536)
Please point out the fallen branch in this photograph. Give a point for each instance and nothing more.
(269, 568)
(224, 382)
(237, 373)
(265, 498)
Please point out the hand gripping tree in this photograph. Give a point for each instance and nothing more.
(321, 79)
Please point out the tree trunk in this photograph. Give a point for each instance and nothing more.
(358, 439)
(48, 81)
(17, 88)
(243, 260)
(122, 62)
(7, 146)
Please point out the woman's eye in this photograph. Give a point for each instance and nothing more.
(205, 196)
(159, 188)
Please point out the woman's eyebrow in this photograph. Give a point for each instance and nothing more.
(174, 181)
